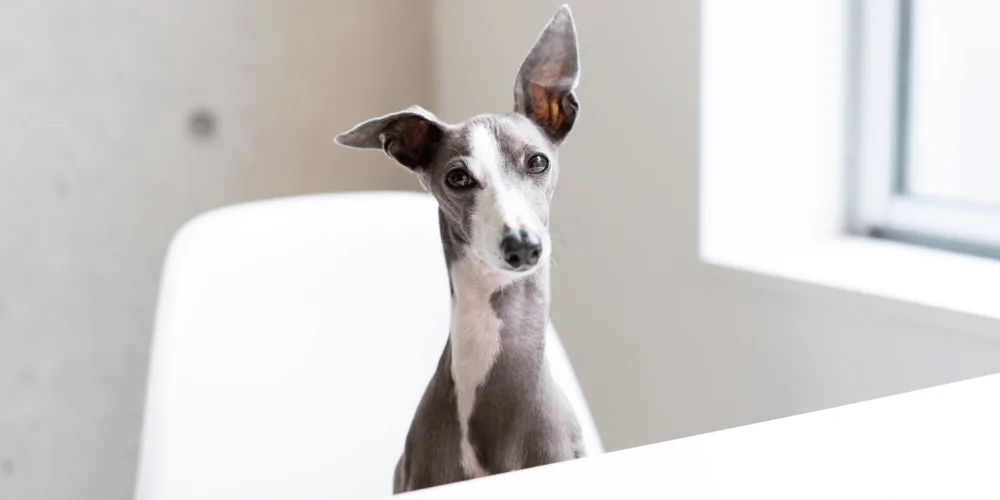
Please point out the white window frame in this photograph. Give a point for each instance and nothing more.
(880, 205)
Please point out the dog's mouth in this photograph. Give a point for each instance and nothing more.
(521, 266)
(518, 271)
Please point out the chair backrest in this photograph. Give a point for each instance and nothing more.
(293, 340)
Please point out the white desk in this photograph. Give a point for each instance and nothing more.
(941, 443)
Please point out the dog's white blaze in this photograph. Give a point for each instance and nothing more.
(475, 341)
(475, 327)
(498, 204)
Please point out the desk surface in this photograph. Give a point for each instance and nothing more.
(941, 443)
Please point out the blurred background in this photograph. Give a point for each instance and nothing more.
(120, 120)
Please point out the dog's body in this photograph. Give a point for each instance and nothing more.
(492, 405)
(517, 418)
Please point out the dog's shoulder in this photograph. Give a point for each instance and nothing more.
(432, 454)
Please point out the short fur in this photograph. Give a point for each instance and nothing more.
(491, 406)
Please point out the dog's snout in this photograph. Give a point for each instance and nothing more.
(521, 249)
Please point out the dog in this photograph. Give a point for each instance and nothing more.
(492, 405)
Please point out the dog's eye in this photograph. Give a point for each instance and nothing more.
(459, 178)
(538, 164)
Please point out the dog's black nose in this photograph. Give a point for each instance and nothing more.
(521, 249)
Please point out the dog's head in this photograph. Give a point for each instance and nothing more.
(494, 175)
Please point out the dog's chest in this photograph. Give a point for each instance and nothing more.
(475, 343)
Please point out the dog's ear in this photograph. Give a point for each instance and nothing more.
(543, 89)
(411, 137)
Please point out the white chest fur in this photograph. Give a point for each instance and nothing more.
(475, 341)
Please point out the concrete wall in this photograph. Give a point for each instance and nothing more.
(98, 167)
(664, 345)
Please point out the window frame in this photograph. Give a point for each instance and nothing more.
(880, 66)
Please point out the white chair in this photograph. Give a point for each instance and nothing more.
(293, 340)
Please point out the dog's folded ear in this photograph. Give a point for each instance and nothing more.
(543, 89)
(410, 137)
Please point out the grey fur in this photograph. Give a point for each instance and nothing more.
(519, 418)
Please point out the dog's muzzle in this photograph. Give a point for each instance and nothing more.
(521, 249)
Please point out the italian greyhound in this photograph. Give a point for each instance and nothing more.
(492, 405)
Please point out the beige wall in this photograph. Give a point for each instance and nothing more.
(665, 346)
(97, 169)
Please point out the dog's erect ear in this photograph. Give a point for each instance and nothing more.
(543, 89)
(410, 137)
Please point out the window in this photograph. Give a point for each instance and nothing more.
(927, 129)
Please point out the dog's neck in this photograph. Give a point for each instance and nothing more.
(492, 309)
